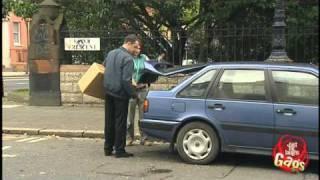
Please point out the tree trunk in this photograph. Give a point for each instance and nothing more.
(206, 39)
(203, 51)
(178, 47)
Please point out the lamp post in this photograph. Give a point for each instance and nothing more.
(28, 20)
(4, 10)
(186, 48)
(278, 53)
(4, 14)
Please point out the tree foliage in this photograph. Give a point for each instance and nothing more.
(189, 22)
(152, 17)
(22, 8)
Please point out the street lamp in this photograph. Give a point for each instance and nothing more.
(278, 53)
(186, 48)
(4, 10)
(28, 20)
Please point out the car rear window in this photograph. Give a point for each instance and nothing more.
(198, 87)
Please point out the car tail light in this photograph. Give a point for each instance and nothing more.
(145, 105)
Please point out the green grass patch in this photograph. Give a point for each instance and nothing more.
(21, 92)
(19, 95)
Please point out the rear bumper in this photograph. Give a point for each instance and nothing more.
(159, 129)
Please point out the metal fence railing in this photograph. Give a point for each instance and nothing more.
(231, 43)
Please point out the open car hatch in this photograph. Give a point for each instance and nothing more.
(155, 69)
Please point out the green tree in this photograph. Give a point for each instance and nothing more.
(254, 14)
(189, 22)
(151, 17)
(22, 8)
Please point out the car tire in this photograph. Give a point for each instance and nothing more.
(197, 143)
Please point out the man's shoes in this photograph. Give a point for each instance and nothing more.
(129, 142)
(107, 152)
(148, 143)
(145, 143)
(123, 155)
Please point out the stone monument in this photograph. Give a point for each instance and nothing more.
(45, 55)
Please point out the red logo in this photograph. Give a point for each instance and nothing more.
(291, 154)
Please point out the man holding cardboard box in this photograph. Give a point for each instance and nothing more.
(119, 89)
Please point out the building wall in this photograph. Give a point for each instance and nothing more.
(18, 52)
(5, 44)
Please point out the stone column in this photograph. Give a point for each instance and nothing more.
(44, 55)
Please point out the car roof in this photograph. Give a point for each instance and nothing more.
(151, 73)
(264, 64)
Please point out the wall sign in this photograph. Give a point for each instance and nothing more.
(82, 44)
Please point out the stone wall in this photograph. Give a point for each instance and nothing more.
(71, 94)
(70, 91)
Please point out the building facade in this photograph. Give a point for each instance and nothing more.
(15, 40)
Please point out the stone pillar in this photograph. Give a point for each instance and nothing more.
(44, 55)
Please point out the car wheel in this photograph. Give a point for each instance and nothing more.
(197, 143)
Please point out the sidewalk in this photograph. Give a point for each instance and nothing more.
(64, 121)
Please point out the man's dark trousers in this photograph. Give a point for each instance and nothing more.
(115, 130)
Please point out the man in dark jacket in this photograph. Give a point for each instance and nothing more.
(119, 89)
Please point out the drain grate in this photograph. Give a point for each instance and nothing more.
(158, 171)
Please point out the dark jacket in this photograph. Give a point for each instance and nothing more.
(118, 74)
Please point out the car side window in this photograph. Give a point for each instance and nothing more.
(296, 87)
(198, 87)
(241, 85)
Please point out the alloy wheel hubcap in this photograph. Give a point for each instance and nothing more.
(197, 144)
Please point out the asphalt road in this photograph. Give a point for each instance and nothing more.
(50, 157)
(14, 83)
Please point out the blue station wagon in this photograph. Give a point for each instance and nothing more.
(241, 107)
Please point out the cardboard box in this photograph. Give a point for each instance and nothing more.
(91, 83)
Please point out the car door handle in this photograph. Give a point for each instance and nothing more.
(286, 112)
(217, 107)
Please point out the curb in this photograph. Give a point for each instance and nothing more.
(15, 76)
(54, 132)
